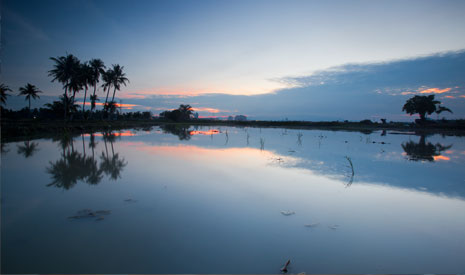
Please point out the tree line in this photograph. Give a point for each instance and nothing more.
(76, 76)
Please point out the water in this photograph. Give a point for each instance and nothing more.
(210, 200)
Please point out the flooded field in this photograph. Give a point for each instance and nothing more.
(234, 200)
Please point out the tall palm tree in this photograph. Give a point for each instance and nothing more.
(107, 78)
(118, 78)
(30, 91)
(87, 78)
(3, 93)
(76, 82)
(63, 70)
(97, 70)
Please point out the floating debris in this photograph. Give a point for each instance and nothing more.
(287, 213)
(311, 225)
(88, 213)
(284, 268)
(334, 227)
(101, 218)
(130, 200)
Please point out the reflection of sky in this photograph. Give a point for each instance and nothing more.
(212, 204)
(183, 48)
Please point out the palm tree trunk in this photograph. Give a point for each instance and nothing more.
(113, 98)
(29, 104)
(84, 103)
(108, 91)
(66, 100)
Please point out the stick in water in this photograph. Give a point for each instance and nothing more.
(284, 269)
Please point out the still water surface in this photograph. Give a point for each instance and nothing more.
(234, 200)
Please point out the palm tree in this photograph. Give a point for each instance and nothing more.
(97, 70)
(3, 93)
(29, 91)
(65, 68)
(107, 78)
(118, 78)
(76, 81)
(87, 78)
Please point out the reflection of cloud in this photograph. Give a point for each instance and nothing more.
(209, 132)
(116, 134)
(435, 91)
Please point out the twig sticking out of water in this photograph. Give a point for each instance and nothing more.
(284, 268)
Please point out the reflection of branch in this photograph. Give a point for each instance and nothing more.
(353, 172)
(262, 144)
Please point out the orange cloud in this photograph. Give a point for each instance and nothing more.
(122, 105)
(407, 93)
(449, 96)
(435, 91)
(462, 96)
(206, 109)
(436, 158)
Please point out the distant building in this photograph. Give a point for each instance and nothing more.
(240, 118)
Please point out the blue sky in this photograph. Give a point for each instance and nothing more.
(178, 51)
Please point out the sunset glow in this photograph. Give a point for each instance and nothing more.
(435, 91)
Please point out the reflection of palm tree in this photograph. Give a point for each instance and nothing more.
(28, 149)
(422, 150)
(94, 173)
(73, 167)
(66, 171)
(112, 166)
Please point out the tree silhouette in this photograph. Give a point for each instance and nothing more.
(118, 78)
(4, 89)
(65, 68)
(98, 67)
(87, 78)
(107, 78)
(30, 91)
(423, 105)
(422, 150)
(28, 149)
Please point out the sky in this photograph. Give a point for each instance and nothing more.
(292, 58)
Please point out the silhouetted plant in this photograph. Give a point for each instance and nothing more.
(118, 78)
(4, 89)
(423, 105)
(30, 91)
(65, 68)
(98, 67)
